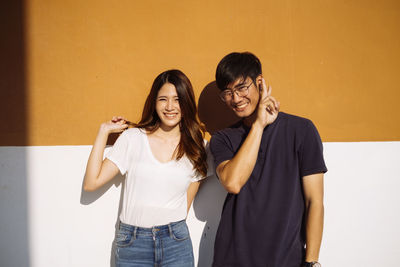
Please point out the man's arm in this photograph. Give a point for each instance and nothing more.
(234, 173)
(313, 186)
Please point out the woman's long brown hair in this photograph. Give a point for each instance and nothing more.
(191, 142)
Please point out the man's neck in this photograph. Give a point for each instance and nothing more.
(248, 121)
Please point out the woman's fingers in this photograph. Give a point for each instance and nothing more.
(124, 126)
(117, 128)
(118, 119)
(117, 124)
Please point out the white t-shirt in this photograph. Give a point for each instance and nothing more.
(155, 193)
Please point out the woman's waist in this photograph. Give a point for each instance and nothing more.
(149, 216)
(151, 232)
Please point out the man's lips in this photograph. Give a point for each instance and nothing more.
(240, 106)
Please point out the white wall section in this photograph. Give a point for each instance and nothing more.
(47, 220)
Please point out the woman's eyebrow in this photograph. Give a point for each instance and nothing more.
(165, 96)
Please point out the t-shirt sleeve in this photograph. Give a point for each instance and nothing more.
(118, 154)
(311, 152)
(220, 149)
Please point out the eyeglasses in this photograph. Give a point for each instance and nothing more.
(241, 91)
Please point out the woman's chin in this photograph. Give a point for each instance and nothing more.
(169, 125)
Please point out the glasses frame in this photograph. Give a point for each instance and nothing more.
(236, 91)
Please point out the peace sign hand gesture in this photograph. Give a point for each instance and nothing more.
(268, 106)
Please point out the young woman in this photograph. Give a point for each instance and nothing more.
(163, 159)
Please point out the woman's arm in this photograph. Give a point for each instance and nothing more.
(99, 171)
(191, 193)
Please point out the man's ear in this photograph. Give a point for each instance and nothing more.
(259, 82)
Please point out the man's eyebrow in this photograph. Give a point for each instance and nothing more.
(242, 83)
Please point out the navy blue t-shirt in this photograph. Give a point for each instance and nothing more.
(263, 226)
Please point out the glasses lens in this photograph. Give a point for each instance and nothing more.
(243, 90)
(226, 95)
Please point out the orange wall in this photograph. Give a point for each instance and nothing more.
(335, 62)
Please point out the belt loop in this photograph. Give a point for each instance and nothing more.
(134, 232)
(170, 230)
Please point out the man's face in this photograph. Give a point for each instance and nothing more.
(244, 96)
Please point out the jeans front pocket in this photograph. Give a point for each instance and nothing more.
(124, 238)
(180, 231)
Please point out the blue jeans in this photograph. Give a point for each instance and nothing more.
(160, 246)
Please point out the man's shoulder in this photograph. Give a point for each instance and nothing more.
(298, 127)
(231, 135)
(235, 128)
(294, 120)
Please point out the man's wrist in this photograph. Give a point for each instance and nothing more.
(257, 126)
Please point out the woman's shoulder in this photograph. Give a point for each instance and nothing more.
(133, 133)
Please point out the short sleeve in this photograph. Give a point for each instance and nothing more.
(311, 152)
(119, 153)
(220, 149)
(210, 164)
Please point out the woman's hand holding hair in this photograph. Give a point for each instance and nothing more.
(99, 171)
(116, 125)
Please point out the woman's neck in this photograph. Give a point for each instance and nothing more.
(168, 133)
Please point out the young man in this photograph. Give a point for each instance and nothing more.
(272, 165)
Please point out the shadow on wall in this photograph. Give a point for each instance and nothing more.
(14, 231)
(207, 207)
(88, 198)
(212, 111)
(209, 201)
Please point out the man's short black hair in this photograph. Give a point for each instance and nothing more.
(237, 66)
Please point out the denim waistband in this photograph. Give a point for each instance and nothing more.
(155, 231)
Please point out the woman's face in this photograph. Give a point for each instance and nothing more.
(167, 106)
